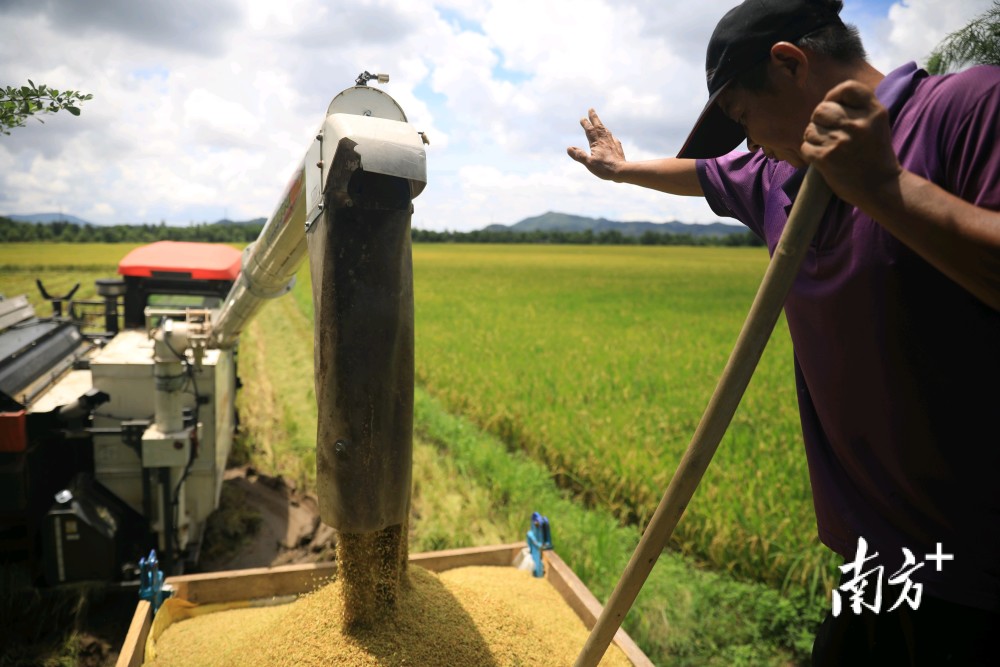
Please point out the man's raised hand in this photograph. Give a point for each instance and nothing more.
(606, 155)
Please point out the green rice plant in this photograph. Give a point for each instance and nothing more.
(278, 406)
(64, 256)
(60, 266)
(599, 361)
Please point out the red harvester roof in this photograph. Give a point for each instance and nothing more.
(199, 261)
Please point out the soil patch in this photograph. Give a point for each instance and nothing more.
(263, 521)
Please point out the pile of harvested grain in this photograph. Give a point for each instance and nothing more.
(481, 616)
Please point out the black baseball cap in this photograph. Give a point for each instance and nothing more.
(742, 39)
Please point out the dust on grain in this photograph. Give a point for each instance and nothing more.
(482, 616)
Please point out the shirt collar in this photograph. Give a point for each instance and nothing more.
(897, 87)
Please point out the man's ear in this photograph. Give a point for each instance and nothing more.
(788, 60)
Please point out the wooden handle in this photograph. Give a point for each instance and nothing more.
(809, 206)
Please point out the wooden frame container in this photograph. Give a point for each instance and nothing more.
(267, 582)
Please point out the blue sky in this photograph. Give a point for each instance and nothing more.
(202, 109)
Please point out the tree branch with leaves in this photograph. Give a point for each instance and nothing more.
(978, 43)
(18, 104)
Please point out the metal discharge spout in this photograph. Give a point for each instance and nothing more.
(349, 206)
(362, 280)
(372, 166)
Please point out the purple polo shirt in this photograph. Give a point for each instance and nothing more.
(897, 367)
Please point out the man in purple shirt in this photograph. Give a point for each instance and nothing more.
(895, 313)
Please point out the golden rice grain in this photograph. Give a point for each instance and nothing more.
(475, 616)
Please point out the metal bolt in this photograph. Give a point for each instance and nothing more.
(340, 449)
(320, 164)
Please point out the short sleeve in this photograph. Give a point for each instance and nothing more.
(737, 186)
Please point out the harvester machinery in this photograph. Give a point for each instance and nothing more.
(115, 443)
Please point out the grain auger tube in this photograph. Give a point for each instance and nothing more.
(349, 206)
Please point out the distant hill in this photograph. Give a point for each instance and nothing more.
(564, 222)
(45, 218)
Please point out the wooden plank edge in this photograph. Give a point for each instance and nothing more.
(264, 582)
(249, 584)
(586, 606)
(134, 646)
(439, 561)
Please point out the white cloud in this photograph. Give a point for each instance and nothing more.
(200, 112)
(913, 28)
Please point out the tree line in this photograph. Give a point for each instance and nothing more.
(587, 237)
(13, 231)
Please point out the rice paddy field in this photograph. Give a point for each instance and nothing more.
(599, 361)
(568, 380)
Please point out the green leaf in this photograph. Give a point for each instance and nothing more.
(20, 103)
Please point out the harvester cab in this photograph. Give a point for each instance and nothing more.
(140, 464)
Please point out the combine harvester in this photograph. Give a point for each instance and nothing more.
(114, 444)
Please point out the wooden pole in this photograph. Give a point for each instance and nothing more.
(809, 206)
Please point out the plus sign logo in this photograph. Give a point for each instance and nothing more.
(865, 585)
(939, 556)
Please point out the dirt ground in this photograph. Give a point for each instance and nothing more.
(261, 521)
(264, 521)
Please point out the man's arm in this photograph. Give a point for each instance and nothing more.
(606, 160)
(849, 141)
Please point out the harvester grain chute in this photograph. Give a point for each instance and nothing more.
(115, 442)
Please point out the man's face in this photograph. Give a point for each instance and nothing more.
(774, 119)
